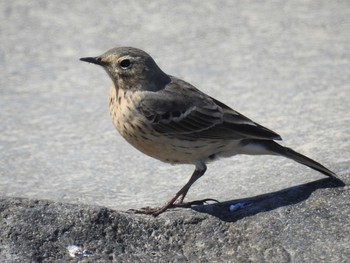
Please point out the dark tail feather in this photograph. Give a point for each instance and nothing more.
(291, 154)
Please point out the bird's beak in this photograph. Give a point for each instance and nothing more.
(95, 60)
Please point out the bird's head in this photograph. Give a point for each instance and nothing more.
(131, 68)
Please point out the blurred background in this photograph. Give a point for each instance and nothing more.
(284, 64)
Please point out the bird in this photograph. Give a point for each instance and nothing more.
(170, 120)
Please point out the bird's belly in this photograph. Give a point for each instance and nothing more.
(164, 147)
(168, 148)
(173, 150)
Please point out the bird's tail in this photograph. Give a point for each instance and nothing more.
(275, 148)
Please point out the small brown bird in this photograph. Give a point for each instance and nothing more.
(172, 121)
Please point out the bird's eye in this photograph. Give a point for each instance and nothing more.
(125, 63)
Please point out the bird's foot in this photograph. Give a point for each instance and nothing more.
(196, 202)
(154, 211)
(177, 204)
(146, 210)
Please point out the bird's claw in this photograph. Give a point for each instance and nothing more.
(158, 210)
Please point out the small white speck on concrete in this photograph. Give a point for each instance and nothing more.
(78, 252)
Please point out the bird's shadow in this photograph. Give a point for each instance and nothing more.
(233, 210)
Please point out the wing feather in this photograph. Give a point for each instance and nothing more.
(183, 111)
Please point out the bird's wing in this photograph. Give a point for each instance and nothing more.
(183, 111)
(173, 113)
(235, 121)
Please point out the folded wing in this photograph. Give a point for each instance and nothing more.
(182, 111)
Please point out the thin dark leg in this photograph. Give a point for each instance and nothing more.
(198, 172)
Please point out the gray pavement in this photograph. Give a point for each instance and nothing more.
(284, 64)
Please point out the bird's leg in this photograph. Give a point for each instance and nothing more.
(198, 172)
(180, 195)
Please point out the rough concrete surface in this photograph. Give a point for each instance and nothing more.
(307, 223)
(284, 64)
